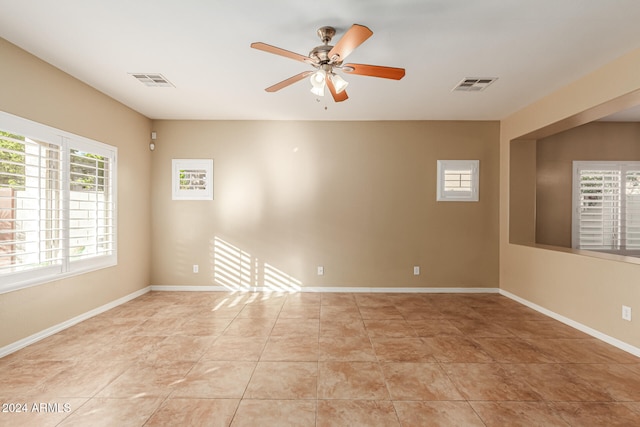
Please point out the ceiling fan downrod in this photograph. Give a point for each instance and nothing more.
(321, 53)
(326, 34)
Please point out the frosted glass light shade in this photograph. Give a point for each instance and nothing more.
(338, 82)
(318, 82)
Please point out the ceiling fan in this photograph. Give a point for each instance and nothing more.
(327, 59)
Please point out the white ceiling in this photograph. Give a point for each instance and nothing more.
(202, 46)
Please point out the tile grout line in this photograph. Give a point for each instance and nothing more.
(257, 362)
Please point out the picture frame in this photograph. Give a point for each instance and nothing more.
(192, 179)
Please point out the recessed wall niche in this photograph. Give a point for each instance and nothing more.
(541, 166)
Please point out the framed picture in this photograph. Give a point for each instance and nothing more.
(192, 179)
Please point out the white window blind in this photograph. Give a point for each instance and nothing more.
(458, 180)
(606, 207)
(91, 206)
(632, 208)
(57, 203)
(30, 201)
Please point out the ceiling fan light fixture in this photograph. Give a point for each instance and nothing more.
(339, 83)
(318, 82)
(318, 91)
(318, 78)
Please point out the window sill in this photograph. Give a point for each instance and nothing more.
(582, 252)
(15, 282)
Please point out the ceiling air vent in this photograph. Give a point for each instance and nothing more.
(474, 84)
(152, 80)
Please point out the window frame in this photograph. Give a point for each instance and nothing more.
(66, 142)
(442, 195)
(617, 166)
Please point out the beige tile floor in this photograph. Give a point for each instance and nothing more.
(245, 359)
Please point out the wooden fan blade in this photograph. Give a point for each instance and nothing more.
(374, 71)
(338, 97)
(291, 80)
(354, 37)
(282, 52)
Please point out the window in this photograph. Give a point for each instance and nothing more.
(57, 203)
(606, 207)
(192, 179)
(458, 180)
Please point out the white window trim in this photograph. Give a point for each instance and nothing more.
(196, 194)
(621, 166)
(66, 141)
(458, 196)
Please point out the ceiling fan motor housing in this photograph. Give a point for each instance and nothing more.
(321, 53)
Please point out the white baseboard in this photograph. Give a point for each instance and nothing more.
(13, 347)
(403, 290)
(576, 325)
(178, 288)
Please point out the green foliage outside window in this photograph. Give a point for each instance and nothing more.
(87, 171)
(12, 162)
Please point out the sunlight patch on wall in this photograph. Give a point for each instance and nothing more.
(237, 270)
(231, 266)
(278, 280)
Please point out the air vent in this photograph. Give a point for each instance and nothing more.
(474, 84)
(152, 80)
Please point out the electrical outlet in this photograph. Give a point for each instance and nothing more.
(320, 270)
(626, 313)
(416, 270)
(195, 268)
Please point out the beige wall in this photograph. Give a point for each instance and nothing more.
(522, 191)
(358, 198)
(35, 90)
(555, 156)
(583, 288)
